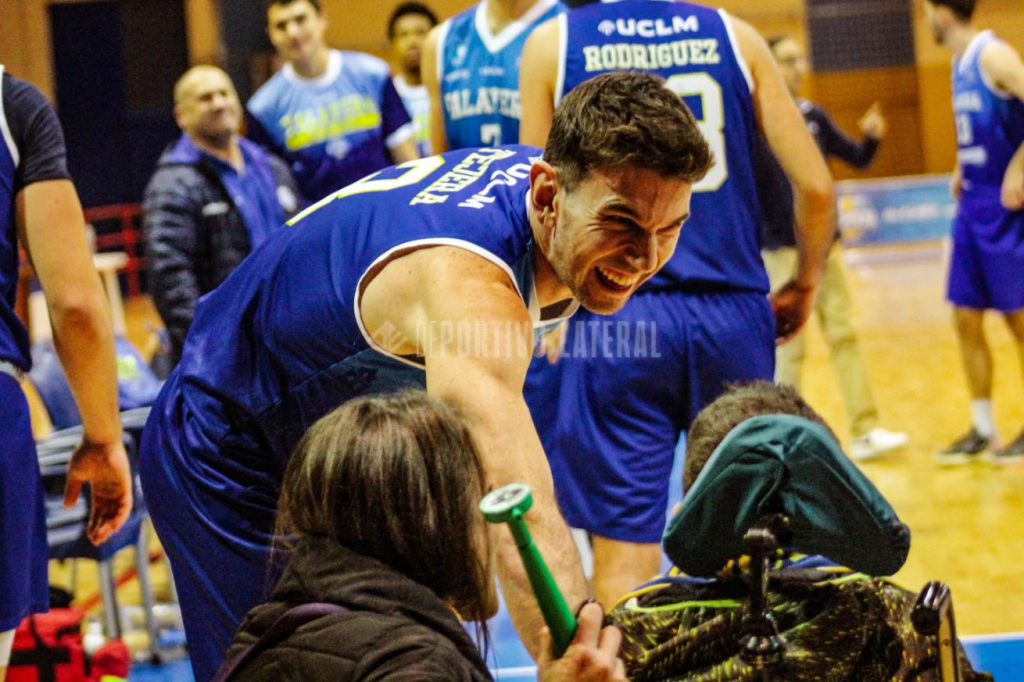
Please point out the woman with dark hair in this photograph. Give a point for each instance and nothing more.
(378, 511)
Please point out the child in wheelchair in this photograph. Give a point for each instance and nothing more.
(781, 547)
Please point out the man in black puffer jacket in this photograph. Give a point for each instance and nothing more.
(213, 198)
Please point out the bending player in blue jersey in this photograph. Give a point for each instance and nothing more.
(471, 70)
(334, 116)
(987, 267)
(39, 211)
(436, 270)
(619, 412)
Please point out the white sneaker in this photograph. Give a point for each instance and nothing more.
(876, 442)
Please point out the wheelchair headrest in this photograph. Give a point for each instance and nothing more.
(781, 464)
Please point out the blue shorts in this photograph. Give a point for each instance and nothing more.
(214, 521)
(611, 412)
(986, 270)
(24, 580)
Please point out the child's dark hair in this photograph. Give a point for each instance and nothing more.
(739, 403)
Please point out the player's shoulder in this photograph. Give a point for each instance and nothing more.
(365, 64)
(20, 96)
(268, 96)
(461, 25)
(997, 51)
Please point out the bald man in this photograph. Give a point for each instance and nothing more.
(213, 198)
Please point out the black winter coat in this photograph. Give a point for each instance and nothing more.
(396, 629)
(195, 235)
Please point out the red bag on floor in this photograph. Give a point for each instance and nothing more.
(48, 648)
(112, 660)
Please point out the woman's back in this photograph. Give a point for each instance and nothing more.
(393, 627)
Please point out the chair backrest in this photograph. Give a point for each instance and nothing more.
(137, 384)
(51, 383)
(781, 464)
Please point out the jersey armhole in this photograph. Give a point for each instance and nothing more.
(737, 53)
(380, 262)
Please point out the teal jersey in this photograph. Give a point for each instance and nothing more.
(335, 129)
(478, 73)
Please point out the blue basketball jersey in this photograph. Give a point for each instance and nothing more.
(335, 129)
(13, 338)
(478, 73)
(693, 48)
(989, 124)
(280, 343)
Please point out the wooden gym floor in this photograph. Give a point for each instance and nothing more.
(965, 521)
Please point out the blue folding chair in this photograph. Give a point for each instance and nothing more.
(66, 528)
(137, 384)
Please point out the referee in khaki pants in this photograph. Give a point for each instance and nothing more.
(832, 306)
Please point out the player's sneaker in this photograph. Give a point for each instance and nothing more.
(1012, 453)
(968, 448)
(876, 442)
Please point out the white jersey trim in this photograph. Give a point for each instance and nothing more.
(727, 21)
(505, 37)
(405, 132)
(563, 51)
(4, 128)
(406, 91)
(411, 246)
(328, 77)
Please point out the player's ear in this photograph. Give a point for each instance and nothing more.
(544, 188)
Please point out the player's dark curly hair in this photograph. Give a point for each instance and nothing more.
(739, 403)
(963, 9)
(407, 8)
(271, 3)
(626, 119)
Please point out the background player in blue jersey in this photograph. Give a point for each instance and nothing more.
(832, 305)
(407, 30)
(987, 266)
(619, 414)
(39, 208)
(436, 270)
(471, 69)
(334, 116)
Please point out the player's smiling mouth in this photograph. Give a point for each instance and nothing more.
(613, 280)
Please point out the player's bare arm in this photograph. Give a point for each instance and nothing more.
(52, 230)
(814, 195)
(1005, 70)
(477, 348)
(537, 74)
(405, 151)
(428, 69)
